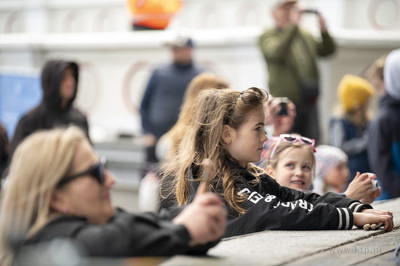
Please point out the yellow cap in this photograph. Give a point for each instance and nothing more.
(354, 92)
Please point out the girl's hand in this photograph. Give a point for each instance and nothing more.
(360, 219)
(205, 218)
(379, 212)
(361, 189)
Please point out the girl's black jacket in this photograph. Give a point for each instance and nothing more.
(271, 206)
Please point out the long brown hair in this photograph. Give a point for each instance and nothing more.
(203, 140)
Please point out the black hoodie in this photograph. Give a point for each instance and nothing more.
(49, 112)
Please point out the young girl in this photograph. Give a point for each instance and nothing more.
(292, 163)
(228, 132)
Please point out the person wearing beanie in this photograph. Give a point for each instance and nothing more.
(349, 125)
(332, 174)
(353, 92)
(331, 171)
(384, 131)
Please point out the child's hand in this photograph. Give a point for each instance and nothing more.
(375, 211)
(360, 219)
(361, 189)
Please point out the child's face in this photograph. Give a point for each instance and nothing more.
(294, 168)
(246, 143)
(338, 176)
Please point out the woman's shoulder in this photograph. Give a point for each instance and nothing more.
(60, 227)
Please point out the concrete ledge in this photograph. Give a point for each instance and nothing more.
(304, 247)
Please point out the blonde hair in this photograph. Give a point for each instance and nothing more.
(283, 146)
(37, 166)
(203, 140)
(175, 135)
(199, 83)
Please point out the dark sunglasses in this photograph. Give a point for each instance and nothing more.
(96, 171)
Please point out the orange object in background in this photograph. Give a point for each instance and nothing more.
(153, 14)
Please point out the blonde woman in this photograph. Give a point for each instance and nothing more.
(168, 145)
(60, 188)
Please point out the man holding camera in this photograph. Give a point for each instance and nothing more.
(290, 54)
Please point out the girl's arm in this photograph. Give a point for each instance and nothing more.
(287, 194)
(269, 212)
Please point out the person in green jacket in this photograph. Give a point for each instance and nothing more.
(290, 53)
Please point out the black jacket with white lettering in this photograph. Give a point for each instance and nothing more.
(270, 206)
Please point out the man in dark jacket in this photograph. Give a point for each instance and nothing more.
(163, 95)
(59, 83)
(384, 132)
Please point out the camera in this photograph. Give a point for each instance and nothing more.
(283, 106)
(310, 11)
(375, 184)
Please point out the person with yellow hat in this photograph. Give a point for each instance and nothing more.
(349, 126)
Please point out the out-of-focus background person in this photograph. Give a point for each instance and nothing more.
(290, 53)
(153, 14)
(384, 134)
(4, 150)
(164, 93)
(59, 80)
(348, 128)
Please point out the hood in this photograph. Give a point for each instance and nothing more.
(51, 78)
(391, 74)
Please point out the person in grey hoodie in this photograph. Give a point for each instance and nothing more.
(60, 85)
(384, 132)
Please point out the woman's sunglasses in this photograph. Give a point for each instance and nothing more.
(96, 171)
(292, 139)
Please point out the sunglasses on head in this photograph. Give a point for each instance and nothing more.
(97, 171)
(292, 139)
